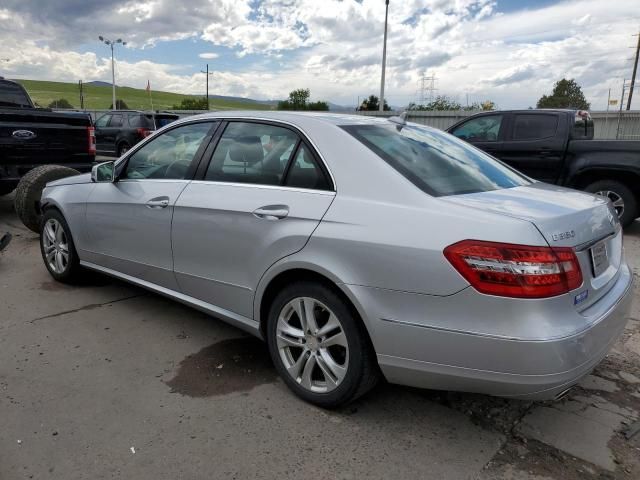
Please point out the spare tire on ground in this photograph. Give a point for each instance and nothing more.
(30, 189)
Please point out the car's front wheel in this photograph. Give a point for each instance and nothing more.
(57, 248)
(319, 346)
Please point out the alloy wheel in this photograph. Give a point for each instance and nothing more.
(56, 246)
(312, 345)
(616, 200)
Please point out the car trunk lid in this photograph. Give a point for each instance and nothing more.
(565, 218)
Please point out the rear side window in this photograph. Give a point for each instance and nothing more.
(139, 121)
(437, 163)
(252, 153)
(534, 127)
(306, 173)
(481, 129)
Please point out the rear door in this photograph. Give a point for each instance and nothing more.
(535, 144)
(484, 131)
(129, 221)
(259, 199)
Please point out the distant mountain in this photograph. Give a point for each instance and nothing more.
(98, 83)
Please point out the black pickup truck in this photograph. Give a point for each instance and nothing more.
(31, 137)
(557, 146)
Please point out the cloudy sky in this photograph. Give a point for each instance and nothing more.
(509, 51)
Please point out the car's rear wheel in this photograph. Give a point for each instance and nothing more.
(57, 248)
(621, 196)
(29, 191)
(319, 346)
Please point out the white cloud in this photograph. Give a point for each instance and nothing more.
(209, 56)
(334, 47)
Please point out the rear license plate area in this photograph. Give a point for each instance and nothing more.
(599, 258)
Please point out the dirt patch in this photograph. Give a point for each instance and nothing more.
(235, 365)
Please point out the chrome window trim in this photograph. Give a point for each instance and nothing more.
(294, 126)
(266, 187)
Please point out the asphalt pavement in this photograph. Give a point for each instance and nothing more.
(106, 380)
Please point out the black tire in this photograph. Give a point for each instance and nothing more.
(630, 211)
(362, 372)
(29, 191)
(6, 190)
(123, 148)
(73, 273)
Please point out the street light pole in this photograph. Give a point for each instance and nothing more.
(207, 74)
(111, 43)
(384, 55)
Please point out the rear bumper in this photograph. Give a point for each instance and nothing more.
(530, 368)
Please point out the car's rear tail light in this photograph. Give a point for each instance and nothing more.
(144, 132)
(516, 270)
(91, 141)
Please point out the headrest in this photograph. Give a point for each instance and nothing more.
(246, 150)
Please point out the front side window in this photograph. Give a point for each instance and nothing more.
(167, 156)
(481, 129)
(103, 121)
(252, 153)
(534, 126)
(434, 161)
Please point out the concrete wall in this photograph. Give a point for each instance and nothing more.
(606, 124)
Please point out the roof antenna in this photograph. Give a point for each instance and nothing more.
(399, 120)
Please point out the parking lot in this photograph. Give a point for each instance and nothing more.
(106, 380)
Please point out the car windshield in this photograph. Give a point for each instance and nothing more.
(434, 161)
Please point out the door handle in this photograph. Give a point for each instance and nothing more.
(272, 212)
(158, 202)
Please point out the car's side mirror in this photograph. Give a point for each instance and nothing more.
(103, 172)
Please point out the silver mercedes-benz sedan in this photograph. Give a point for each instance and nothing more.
(358, 248)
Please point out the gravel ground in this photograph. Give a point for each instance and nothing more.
(106, 380)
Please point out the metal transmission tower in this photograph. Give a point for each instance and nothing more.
(427, 88)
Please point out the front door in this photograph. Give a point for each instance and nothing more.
(130, 220)
(263, 194)
(102, 127)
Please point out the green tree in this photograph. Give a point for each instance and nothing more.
(441, 102)
(61, 103)
(318, 106)
(372, 104)
(565, 94)
(192, 104)
(299, 100)
(120, 104)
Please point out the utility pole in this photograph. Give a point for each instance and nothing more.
(633, 76)
(112, 43)
(384, 55)
(81, 95)
(207, 74)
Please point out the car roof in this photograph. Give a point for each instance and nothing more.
(296, 118)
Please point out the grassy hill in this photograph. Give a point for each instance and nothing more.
(99, 97)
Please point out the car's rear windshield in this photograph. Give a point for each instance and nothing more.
(162, 120)
(434, 161)
(12, 95)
